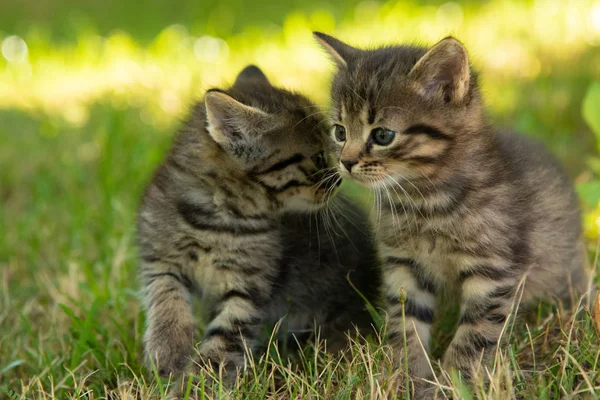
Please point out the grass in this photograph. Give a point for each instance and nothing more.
(70, 318)
(79, 140)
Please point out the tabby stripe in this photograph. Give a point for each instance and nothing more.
(228, 192)
(307, 174)
(428, 130)
(484, 313)
(174, 163)
(423, 282)
(422, 159)
(290, 184)
(394, 336)
(496, 318)
(397, 336)
(483, 271)
(473, 344)
(372, 113)
(200, 218)
(296, 158)
(412, 309)
(184, 280)
(505, 292)
(150, 258)
(232, 266)
(233, 340)
(252, 296)
(228, 334)
(192, 246)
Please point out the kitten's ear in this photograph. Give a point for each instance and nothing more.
(341, 53)
(230, 121)
(251, 74)
(443, 72)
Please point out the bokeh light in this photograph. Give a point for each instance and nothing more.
(507, 40)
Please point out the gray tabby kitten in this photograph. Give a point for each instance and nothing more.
(230, 217)
(464, 206)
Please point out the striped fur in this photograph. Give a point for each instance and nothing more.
(232, 216)
(462, 205)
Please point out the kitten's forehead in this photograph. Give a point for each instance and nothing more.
(368, 83)
(303, 119)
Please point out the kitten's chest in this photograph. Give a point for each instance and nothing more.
(432, 251)
(222, 264)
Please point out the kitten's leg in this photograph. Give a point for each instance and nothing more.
(236, 318)
(168, 341)
(405, 275)
(487, 297)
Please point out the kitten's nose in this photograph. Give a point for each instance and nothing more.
(349, 164)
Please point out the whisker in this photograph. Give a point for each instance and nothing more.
(393, 207)
(308, 116)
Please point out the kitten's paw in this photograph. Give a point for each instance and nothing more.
(168, 349)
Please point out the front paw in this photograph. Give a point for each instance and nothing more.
(168, 348)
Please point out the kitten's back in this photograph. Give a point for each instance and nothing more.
(548, 206)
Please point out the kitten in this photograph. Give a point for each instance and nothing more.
(230, 217)
(463, 205)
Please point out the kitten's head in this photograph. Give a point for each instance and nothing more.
(401, 112)
(277, 137)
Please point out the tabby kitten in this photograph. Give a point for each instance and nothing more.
(230, 217)
(464, 206)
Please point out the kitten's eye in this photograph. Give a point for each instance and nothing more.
(382, 137)
(319, 160)
(339, 132)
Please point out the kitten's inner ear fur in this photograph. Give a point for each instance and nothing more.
(443, 72)
(230, 121)
(341, 53)
(251, 74)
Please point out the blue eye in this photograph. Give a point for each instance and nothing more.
(382, 136)
(339, 132)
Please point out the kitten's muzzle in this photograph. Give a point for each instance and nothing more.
(348, 164)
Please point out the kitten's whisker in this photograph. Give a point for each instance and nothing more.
(327, 179)
(327, 226)
(342, 214)
(379, 207)
(355, 92)
(333, 211)
(403, 167)
(395, 220)
(411, 202)
(320, 106)
(393, 205)
(308, 116)
(323, 171)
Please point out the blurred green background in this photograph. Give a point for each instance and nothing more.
(91, 92)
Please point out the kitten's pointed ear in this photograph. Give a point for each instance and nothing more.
(251, 74)
(230, 121)
(341, 53)
(443, 72)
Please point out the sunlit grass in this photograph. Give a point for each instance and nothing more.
(508, 40)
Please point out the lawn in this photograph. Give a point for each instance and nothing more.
(90, 96)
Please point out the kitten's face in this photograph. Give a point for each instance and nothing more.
(397, 111)
(278, 138)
